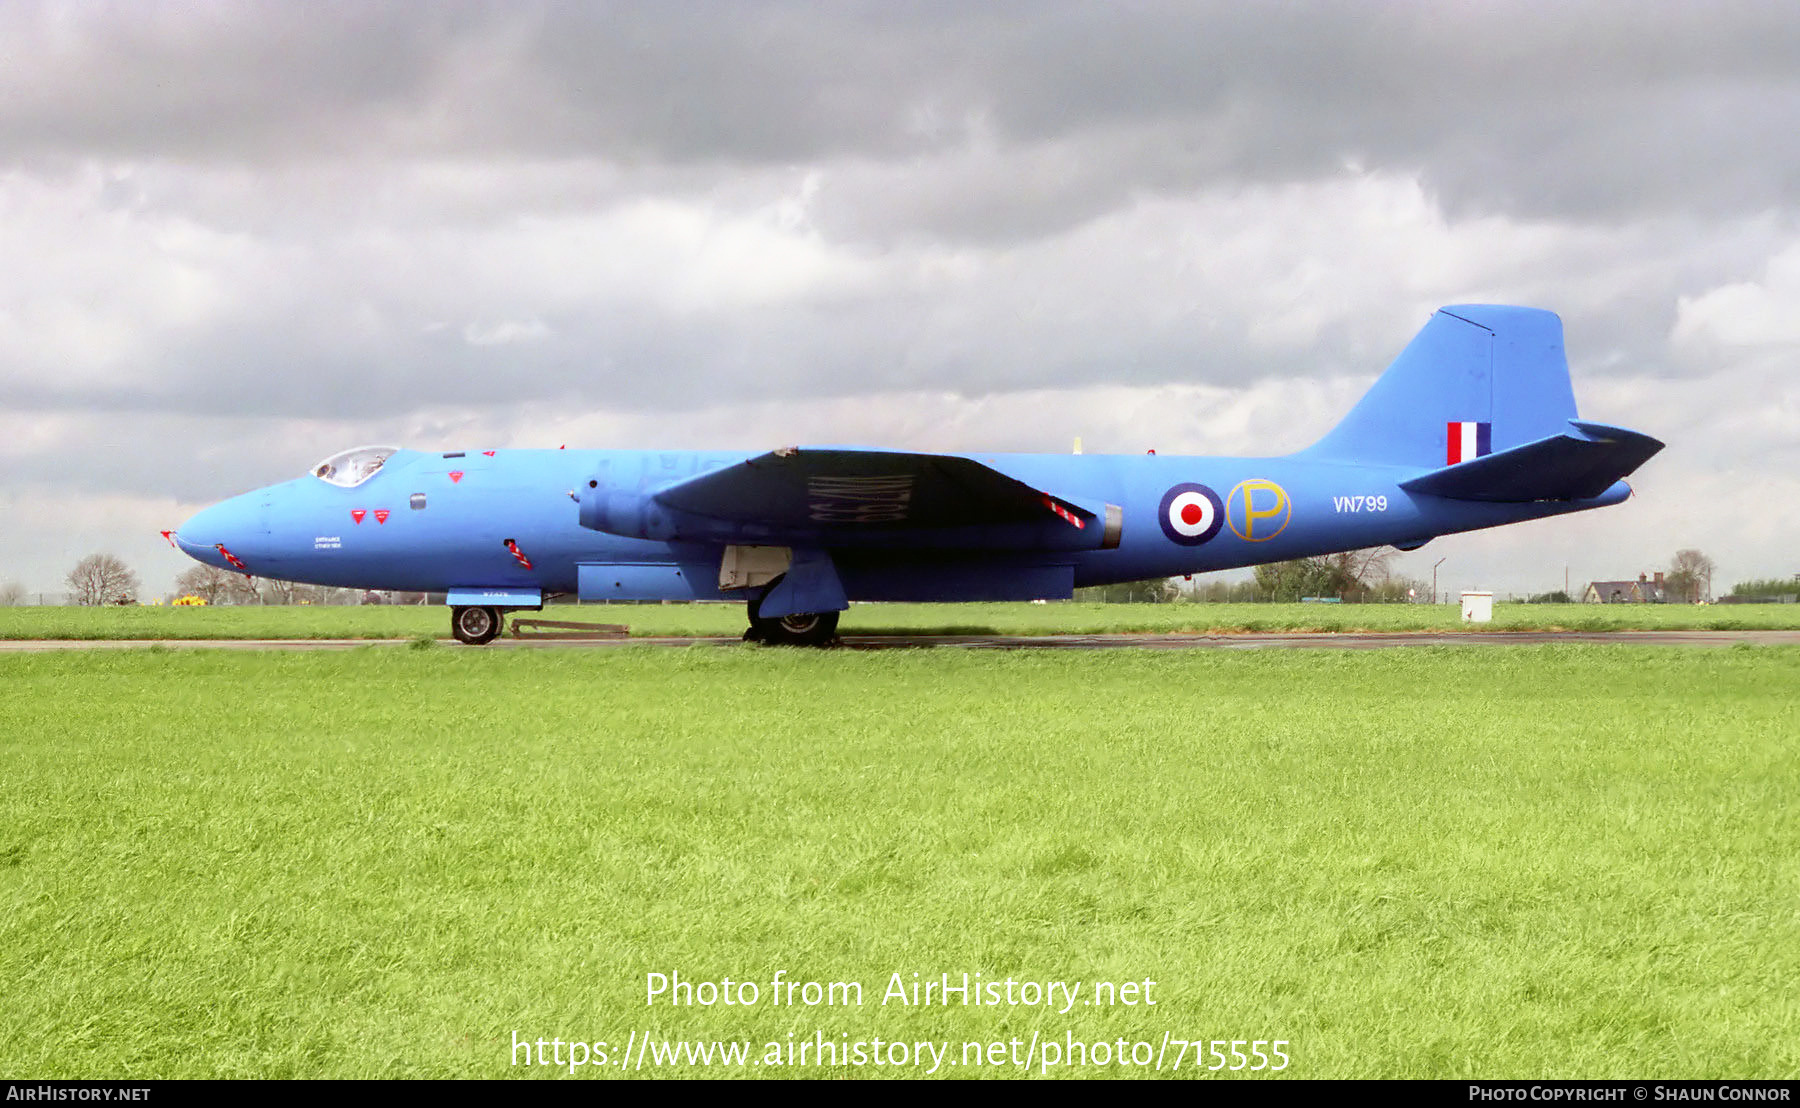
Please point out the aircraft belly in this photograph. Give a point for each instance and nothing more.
(949, 579)
(648, 581)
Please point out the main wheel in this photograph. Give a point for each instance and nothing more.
(475, 626)
(799, 629)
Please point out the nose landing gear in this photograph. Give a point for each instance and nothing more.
(475, 625)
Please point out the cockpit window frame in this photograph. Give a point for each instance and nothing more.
(348, 469)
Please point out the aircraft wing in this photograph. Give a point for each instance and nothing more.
(845, 496)
(1569, 466)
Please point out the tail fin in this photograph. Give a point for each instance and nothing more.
(1478, 379)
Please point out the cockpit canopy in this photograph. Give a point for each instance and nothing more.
(352, 467)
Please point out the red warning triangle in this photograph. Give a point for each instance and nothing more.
(357, 514)
(381, 515)
(489, 453)
(455, 476)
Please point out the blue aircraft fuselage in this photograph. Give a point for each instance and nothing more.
(433, 522)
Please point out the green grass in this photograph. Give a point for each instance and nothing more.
(1569, 861)
(378, 622)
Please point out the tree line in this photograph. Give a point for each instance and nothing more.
(105, 579)
(1364, 576)
(1354, 576)
(222, 586)
(1768, 586)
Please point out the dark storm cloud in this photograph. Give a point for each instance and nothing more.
(316, 210)
(1592, 109)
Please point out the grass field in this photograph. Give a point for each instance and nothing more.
(376, 622)
(1571, 861)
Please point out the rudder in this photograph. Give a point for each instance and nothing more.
(1478, 378)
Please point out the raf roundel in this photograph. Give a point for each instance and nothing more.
(1191, 514)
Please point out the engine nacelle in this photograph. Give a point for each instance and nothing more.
(631, 514)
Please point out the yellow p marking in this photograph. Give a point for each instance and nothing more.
(1244, 507)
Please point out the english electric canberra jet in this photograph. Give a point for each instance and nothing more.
(1473, 425)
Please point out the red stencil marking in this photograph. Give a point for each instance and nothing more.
(1067, 516)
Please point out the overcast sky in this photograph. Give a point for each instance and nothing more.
(238, 237)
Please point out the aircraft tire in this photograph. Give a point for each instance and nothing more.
(799, 629)
(475, 625)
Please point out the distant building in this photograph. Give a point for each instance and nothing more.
(1644, 590)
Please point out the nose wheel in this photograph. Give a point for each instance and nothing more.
(799, 629)
(475, 626)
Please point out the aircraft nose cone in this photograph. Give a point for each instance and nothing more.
(210, 528)
(197, 537)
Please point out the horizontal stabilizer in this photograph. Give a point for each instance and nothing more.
(1575, 465)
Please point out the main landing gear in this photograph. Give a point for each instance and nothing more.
(478, 625)
(799, 629)
(475, 626)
